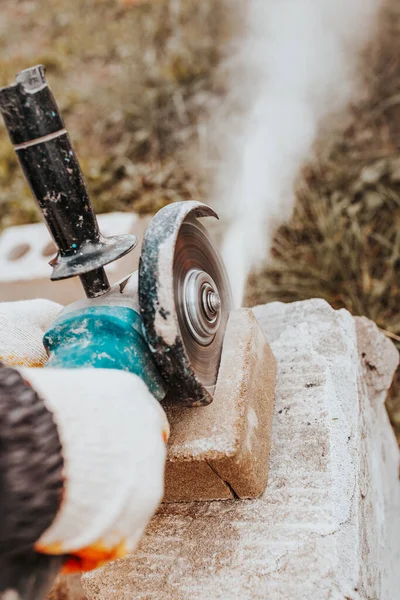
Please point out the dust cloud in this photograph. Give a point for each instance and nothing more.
(296, 63)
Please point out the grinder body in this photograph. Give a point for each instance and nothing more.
(103, 337)
(183, 291)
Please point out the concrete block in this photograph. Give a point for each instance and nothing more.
(25, 252)
(327, 527)
(221, 451)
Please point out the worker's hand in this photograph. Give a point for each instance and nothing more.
(113, 444)
(113, 435)
(22, 326)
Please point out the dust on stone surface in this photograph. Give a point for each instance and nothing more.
(220, 422)
(311, 506)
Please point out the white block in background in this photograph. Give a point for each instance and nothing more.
(25, 252)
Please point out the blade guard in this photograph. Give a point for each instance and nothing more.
(157, 301)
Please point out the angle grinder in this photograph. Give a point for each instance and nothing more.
(164, 323)
(175, 322)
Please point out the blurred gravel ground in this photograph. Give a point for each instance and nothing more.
(134, 81)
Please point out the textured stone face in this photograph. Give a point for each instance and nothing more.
(221, 450)
(327, 526)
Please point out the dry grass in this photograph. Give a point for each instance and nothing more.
(133, 81)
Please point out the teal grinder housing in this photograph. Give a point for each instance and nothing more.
(103, 337)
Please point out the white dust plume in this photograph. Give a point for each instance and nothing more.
(297, 62)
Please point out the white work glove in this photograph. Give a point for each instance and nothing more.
(22, 327)
(113, 434)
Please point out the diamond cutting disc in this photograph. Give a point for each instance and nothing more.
(185, 300)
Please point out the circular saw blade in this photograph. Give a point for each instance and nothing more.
(185, 300)
(196, 254)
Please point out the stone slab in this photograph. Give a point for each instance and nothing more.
(221, 451)
(327, 526)
(25, 252)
